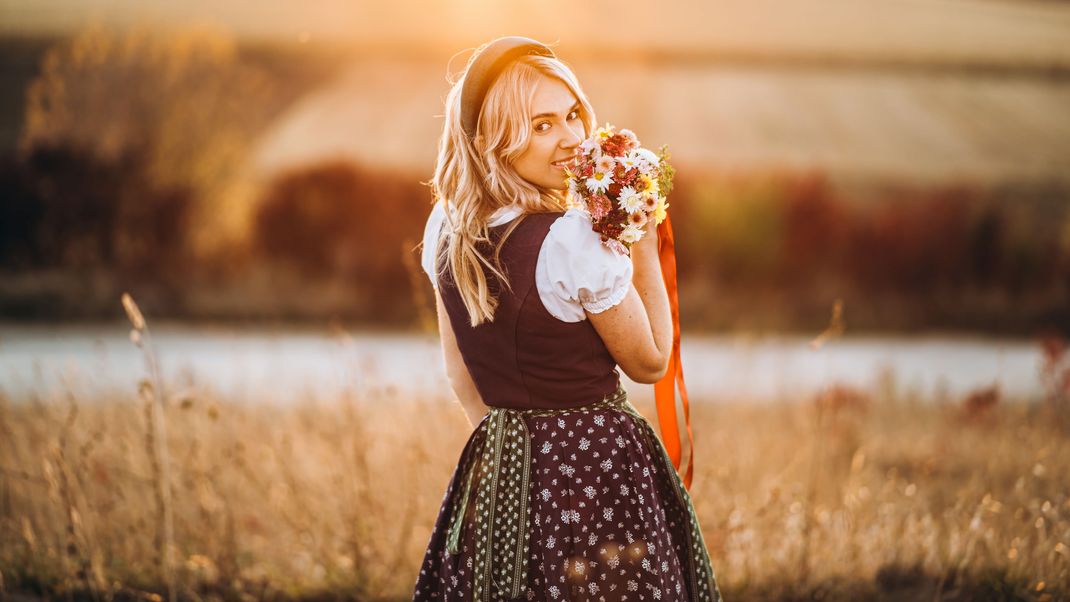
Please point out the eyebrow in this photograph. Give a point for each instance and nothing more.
(540, 115)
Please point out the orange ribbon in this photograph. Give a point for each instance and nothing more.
(664, 390)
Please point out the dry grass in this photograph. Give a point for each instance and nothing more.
(337, 497)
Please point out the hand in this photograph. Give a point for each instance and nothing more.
(649, 242)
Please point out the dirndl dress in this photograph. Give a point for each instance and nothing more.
(563, 491)
(580, 505)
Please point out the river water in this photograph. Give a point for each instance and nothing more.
(289, 366)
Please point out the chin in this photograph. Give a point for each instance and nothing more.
(557, 183)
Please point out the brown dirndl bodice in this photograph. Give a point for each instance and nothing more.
(525, 357)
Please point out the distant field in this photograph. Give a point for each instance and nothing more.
(927, 91)
(893, 125)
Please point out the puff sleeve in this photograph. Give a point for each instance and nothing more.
(432, 232)
(576, 272)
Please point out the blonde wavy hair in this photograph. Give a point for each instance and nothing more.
(475, 177)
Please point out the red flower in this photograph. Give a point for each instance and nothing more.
(599, 206)
(616, 145)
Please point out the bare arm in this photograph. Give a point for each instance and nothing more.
(460, 380)
(638, 330)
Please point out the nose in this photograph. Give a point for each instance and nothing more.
(570, 139)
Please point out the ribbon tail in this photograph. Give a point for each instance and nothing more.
(453, 536)
(665, 389)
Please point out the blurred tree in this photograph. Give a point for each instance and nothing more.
(62, 208)
(912, 243)
(985, 244)
(731, 230)
(178, 100)
(815, 228)
(338, 219)
(20, 215)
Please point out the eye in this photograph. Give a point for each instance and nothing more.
(575, 114)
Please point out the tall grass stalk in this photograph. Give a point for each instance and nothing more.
(152, 393)
(832, 331)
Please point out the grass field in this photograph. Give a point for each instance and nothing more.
(858, 495)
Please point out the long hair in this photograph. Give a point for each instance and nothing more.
(475, 177)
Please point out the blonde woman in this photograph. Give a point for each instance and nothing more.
(563, 491)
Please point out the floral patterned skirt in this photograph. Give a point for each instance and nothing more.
(579, 504)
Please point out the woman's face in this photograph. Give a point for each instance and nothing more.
(556, 132)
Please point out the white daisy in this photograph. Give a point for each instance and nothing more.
(629, 161)
(631, 234)
(647, 160)
(647, 155)
(630, 200)
(599, 182)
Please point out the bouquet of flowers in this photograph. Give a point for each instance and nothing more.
(620, 184)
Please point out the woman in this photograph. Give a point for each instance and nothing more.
(563, 491)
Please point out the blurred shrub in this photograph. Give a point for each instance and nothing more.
(817, 224)
(64, 207)
(911, 242)
(730, 230)
(788, 244)
(338, 219)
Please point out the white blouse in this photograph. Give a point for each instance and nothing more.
(574, 271)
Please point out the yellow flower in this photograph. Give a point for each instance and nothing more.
(646, 184)
(604, 132)
(660, 211)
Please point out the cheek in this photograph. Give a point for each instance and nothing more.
(547, 152)
(536, 158)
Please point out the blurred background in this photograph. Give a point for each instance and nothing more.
(253, 175)
(238, 162)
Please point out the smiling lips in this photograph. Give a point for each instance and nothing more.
(564, 162)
